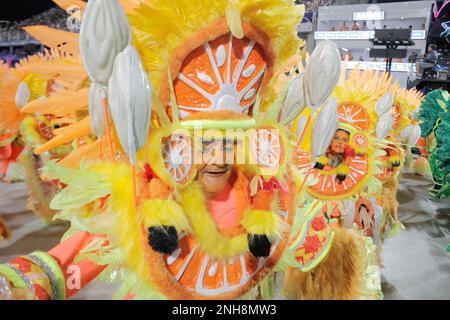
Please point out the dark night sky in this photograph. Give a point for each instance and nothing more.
(17, 10)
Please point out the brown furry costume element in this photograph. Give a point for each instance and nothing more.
(390, 189)
(41, 192)
(4, 232)
(337, 277)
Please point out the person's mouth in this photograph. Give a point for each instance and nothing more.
(218, 172)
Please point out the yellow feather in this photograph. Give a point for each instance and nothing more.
(205, 229)
(234, 20)
(163, 212)
(263, 222)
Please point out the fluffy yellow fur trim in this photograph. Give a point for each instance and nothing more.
(337, 277)
(323, 160)
(205, 229)
(393, 159)
(128, 232)
(29, 132)
(167, 212)
(343, 169)
(262, 222)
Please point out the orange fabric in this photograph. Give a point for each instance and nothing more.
(65, 254)
(263, 200)
(158, 190)
(4, 167)
(5, 152)
(228, 207)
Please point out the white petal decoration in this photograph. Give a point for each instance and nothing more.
(104, 33)
(234, 19)
(322, 73)
(129, 96)
(324, 128)
(414, 136)
(405, 133)
(250, 94)
(221, 55)
(295, 102)
(384, 125)
(203, 77)
(22, 95)
(97, 116)
(384, 104)
(348, 214)
(301, 127)
(249, 71)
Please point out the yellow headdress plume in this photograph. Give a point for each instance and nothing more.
(363, 88)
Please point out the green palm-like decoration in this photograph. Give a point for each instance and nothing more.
(434, 119)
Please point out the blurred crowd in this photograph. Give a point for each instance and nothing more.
(12, 30)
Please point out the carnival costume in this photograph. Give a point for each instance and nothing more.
(175, 85)
(434, 117)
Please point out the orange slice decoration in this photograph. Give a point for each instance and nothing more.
(177, 155)
(266, 148)
(327, 187)
(191, 273)
(360, 141)
(221, 74)
(355, 115)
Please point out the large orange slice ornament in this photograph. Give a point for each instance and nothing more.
(355, 115)
(222, 74)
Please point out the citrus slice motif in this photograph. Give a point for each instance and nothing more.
(355, 115)
(177, 156)
(208, 276)
(191, 273)
(360, 141)
(223, 74)
(327, 186)
(266, 148)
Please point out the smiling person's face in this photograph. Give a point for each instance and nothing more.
(215, 172)
(339, 142)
